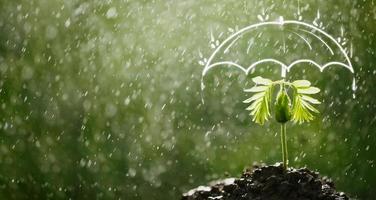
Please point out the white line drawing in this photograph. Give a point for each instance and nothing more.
(285, 68)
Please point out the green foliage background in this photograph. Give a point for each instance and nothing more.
(102, 100)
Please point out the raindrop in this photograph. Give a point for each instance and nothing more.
(111, 13)
(132, 172)
(67, 23)
(354, 87)
(211, 36)
(299, 8)
(51, 32)
(342, 31)
(127, 101)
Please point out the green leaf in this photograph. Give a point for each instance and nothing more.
(256, 89)
(310, 90)
(262, 81)
(302, 108)
(309, 107)
(254, 97)
(254, 104)
(301, 83)
(300, 112)
(310, 99)
(260, 102)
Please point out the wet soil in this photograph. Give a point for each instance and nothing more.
(269, 183)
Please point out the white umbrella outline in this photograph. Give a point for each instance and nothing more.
(284, 67)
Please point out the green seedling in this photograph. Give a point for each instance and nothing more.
(298, 108)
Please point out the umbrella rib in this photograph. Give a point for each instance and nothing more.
(326, 44)
(232, 43)
(301, 37)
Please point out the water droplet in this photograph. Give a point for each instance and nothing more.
(132, 172)
(67, 23)
(281, 20)
(354, 87)
(111, 13)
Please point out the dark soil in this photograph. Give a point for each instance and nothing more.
(269, 183)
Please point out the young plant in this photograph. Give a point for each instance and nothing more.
(299, 109)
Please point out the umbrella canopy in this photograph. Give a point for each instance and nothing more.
(300, 29)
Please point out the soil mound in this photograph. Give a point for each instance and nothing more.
(270, 183)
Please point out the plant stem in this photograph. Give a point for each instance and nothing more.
(284, 146)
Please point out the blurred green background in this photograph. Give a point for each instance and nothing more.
(101, 99)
